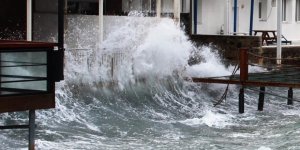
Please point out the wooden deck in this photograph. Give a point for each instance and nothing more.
(278, 76)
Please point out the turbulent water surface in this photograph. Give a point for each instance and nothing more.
(145, 103)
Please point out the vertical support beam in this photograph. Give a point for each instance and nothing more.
(61, 23)
(59, 55)
(243, 65)
(261, 98)
(235, 17)
(243, 77)
(227, 18)
(158, 8)
(29, 20)
(101, 29)
(112, 67)
(241, 101)
(195, 16)
(251, 17)
(31, 129)
(176, 10)
(279, 31)
(290, 96)
(191, 17)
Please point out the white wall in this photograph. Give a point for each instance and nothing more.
(212, 16)
(243, 16)
(290, 28)
(270, 23)
(185, 6)
(167, 6)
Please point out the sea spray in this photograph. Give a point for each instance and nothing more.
(148, 105)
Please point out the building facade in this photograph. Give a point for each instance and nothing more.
(217, 17)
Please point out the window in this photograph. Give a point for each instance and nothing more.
(297, 10)
(259, 10)
(262, 10)
(185, 6)
(167, 8)
(83, 8)
(284, 10)
(145, 7)
(273, 3)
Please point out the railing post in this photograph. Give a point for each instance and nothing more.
(261, 98)
(290, 96)
(243, 65)
(243, 77)
(241, 101)
(31, 129)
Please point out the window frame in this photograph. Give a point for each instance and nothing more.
(297, 13)
(284, 10)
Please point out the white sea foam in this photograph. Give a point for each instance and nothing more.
(264, 148)
(164, 50)
(210, 66)
(211, 119)
(139, 48)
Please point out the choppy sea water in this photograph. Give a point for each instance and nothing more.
(149, 104)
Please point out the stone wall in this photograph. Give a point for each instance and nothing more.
(227, 45)
(290, 55)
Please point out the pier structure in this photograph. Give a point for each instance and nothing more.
(284, 75)
(30, 65)
(28, 72)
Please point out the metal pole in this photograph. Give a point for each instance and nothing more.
(227, 14)
(61, 32)
(176, 10)
(29, 21)
(279, 30)
(251, 17)
(101, 29)
(195, 15)
(61, 23)
(31, 129)
(158, 8)
(235, 17)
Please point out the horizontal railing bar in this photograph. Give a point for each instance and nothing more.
(23, 66)
(26, 77)
(14, 127)
(21, 91)
(21, 62)
(23, 81)
(246, 83)
(19, 50)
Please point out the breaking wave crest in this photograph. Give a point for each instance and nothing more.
(132, 93)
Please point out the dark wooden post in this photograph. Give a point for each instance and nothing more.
(241, 101)
(31, 129)
(261, 98)
(290, 96)
(243, 77)
(243, 65)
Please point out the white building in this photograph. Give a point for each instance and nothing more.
(208, 16)
(217, 17)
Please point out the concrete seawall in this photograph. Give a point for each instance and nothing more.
(228, 45)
